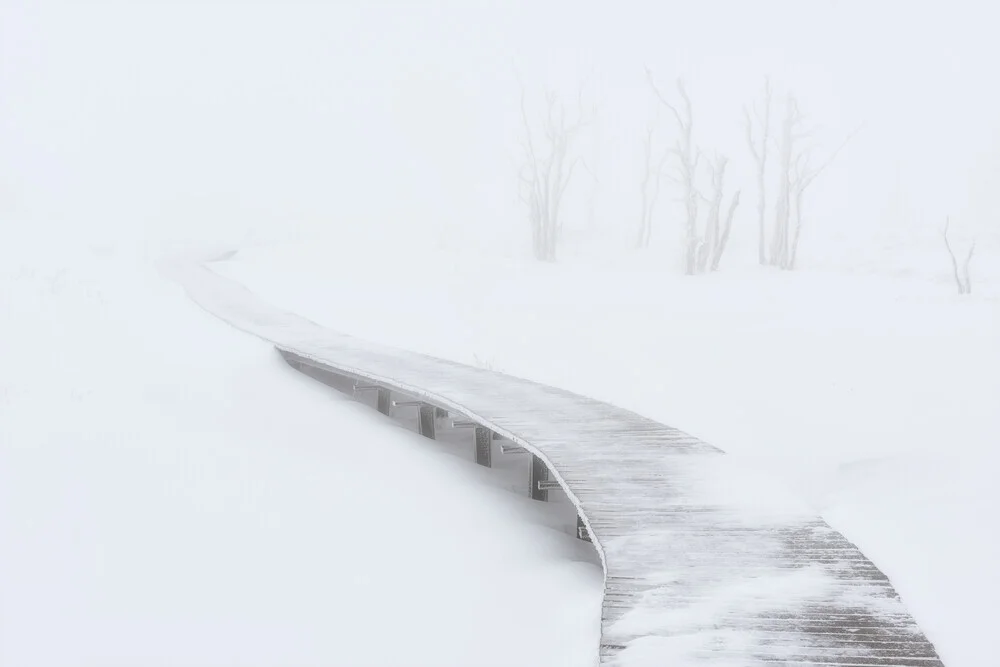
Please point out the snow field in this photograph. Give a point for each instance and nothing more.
(171, 493)
(870, 396)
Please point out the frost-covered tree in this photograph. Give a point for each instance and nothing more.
(759, 150)
(716, 233)
(704, 243)
(796, 172)
(547, 170)
(962, 278)
(649, 187)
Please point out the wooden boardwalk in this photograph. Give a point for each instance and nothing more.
(704, 562)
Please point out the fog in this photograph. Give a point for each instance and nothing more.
(345, 180)
(243, 121)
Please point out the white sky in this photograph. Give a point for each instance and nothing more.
(198, 118)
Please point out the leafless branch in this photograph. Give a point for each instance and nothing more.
(546, 176)
(760, 158)
(808, 177)
(662, 98)
(963, 280)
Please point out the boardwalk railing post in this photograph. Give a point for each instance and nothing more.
(538, 473)
(384, 400)
(484, 444)
(581, 529)
(425, 420)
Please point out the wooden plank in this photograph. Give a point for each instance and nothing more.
(739, 577)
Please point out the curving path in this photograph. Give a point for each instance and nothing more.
(704, 562)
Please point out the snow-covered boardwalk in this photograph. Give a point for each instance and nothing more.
(705, 562)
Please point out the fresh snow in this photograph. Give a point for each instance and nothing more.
(171, 493)
(873, 397)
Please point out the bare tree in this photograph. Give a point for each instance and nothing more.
(803, 177)
(594, 167)
(790, 135)
(796, 174)
(760, 157)
(962, 280)
(702, 248)
(546, 174)
(650, 188)
(716, 235)
(688, 158)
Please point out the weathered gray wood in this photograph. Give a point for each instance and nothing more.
(537, 476)
(484, 447)
(581, 529)
(425, 421)
(704, 562)
(384, 402)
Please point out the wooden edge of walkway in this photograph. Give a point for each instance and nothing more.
(451, 406)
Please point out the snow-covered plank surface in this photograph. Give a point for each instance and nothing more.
(705, 562)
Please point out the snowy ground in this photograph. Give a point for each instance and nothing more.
(872, 391)
(208, 506)
(172, 494)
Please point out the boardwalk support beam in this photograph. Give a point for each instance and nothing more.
(425, 421)
(484, 445)
(384, 400)
(539, 473)
(581, 529)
